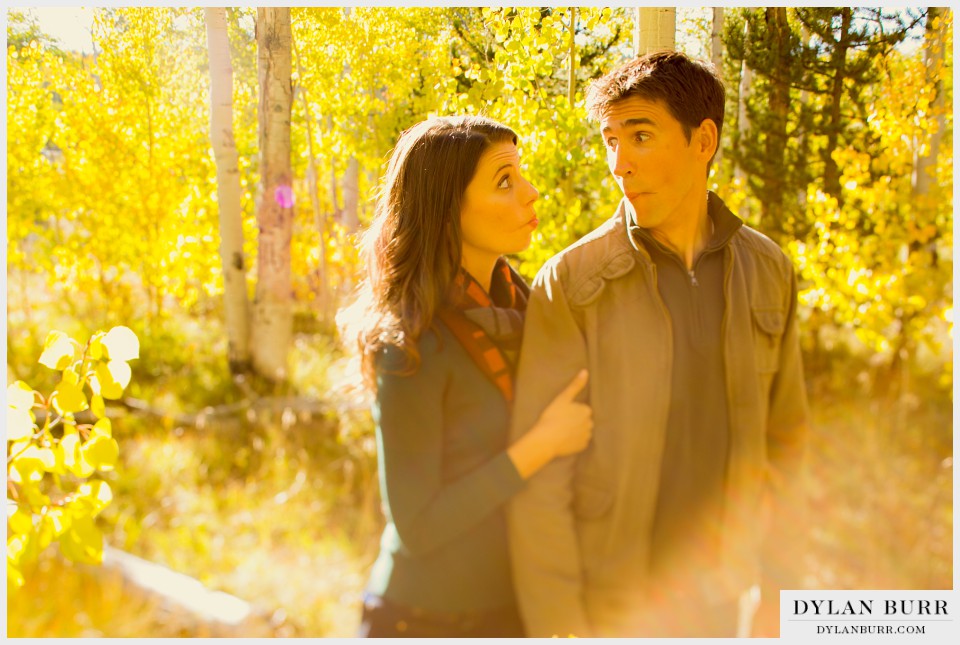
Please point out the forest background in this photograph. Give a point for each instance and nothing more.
(251, 467)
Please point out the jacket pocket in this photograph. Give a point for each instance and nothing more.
(592, 498)
(768, 323)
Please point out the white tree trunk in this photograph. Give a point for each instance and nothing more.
(804, 100)
(320, 218)
(228, 191)
(716, 57)
(925, 158)
(351, 196)
(273, 305)
(743, 93)
(656, 30)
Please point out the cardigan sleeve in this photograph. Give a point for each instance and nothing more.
(426, 511)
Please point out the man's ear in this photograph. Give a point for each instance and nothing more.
(706, 138)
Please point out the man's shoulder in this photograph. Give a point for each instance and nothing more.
(752, 243)
(603, 252)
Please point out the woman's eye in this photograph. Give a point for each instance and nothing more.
(505, 182)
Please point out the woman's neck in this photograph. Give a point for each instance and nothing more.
(480, 266)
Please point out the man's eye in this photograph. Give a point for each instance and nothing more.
(611, 142)
(640, 137)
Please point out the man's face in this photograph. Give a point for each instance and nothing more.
(661, 173)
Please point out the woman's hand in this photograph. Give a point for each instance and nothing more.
(564, 428)
(567, 425)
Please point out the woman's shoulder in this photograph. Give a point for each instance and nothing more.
(430, 347)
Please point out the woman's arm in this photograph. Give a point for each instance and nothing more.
(427, 511)
(563, 428)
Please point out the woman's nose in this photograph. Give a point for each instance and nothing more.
(534, 194)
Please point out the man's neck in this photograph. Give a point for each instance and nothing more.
(689, 238)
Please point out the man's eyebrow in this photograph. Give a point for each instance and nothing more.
(632, 122)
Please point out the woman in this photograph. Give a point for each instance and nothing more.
(439, 333)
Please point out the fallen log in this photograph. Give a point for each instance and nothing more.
(186, 606)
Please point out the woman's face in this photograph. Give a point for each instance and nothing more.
(497, 217)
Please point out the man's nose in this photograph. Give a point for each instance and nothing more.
(620, 164)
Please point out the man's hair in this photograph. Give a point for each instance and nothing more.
(690, 89)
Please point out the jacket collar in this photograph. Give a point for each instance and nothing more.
(725, 226)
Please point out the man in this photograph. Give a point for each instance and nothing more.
(686, 499)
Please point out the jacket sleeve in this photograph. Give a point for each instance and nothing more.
(787, 436)
(426, 511)
(543, 542)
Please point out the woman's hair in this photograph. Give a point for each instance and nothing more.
(412, 249)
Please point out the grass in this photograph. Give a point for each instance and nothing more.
(283, 511)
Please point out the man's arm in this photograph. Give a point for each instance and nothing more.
(543, 542)
(787, 436)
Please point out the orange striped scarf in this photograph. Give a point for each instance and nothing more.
(489, 326)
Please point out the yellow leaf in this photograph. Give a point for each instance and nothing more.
(16, 545)
(109, 388)
(20, 522)
(96, 404)
(96, 494)
(19, 424)
(121, 344)
(100, 452)
(14, 576)
(20, 396)
(69, 445)
(59, 520)
(29, 465)
(96, 346)
(57, 350)
(82, 542)
(103, 428)
(70, 376)
(120, 372)
(68, 398)
(47, 458)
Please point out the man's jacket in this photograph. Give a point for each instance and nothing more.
(581, 530)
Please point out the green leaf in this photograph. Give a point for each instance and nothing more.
(121, 344)
(19, 424)
(100, 452)
(20, 396)
(58, 350)
(68, 397)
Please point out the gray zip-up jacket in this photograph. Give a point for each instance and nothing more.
(580, 531)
